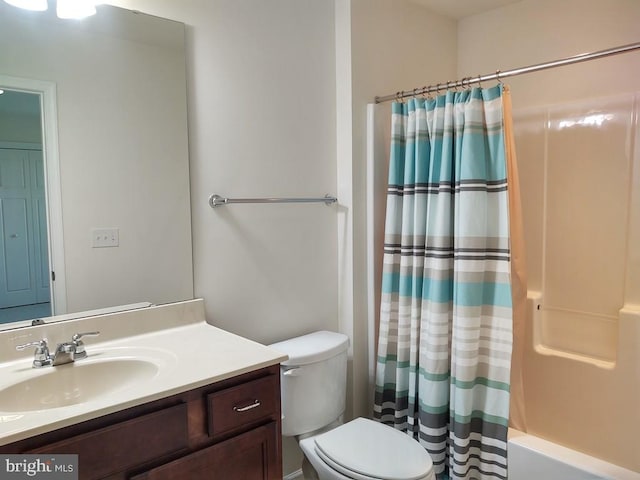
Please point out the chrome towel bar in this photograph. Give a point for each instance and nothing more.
(217, 200)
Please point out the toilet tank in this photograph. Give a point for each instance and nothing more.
(313, 381)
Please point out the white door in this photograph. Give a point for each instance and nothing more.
(24, 263)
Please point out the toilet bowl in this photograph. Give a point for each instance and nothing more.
(313, 383)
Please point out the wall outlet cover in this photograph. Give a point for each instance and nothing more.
(105, 237)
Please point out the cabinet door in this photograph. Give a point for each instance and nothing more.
(250, 456)
(124, 445)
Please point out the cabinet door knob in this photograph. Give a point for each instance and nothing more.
(255, 404)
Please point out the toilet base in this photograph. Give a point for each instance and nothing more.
(320, 468)
(308, 472)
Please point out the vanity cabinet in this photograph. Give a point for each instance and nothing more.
(227, 430)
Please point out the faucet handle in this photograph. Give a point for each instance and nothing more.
(41, 344)
(80, 351)
(41, 356)
(78, 336)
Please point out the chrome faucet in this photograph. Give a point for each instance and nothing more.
(41, 357)
(66, 352)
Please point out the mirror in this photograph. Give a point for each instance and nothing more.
(112, 92)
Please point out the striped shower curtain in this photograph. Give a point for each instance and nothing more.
(445, 339)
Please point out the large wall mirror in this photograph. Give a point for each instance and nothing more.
(94, 170)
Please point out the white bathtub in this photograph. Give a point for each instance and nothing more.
(532, 458)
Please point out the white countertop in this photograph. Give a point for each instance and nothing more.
(190, 355)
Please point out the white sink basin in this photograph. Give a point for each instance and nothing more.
(77, 382)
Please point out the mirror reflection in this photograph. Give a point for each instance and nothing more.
(24, 251)
(94, 186)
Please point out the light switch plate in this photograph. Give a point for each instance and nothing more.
(105, 237)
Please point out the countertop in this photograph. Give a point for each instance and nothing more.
(190, 355)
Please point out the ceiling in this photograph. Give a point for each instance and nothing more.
(462, 8)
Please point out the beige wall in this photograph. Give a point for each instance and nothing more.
(581, 366)
(385, 58)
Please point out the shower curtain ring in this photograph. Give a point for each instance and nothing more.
(498, 77)
(479, 81)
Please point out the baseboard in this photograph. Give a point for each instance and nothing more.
(297, 475)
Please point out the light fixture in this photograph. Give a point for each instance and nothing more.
(65, 8)
(37, 5)
(75, 8)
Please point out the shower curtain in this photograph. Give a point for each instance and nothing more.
(445, 339)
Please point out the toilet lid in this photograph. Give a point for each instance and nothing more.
(364, 449)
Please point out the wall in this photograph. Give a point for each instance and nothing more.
(581, 384)
(394, 45)
(261, 100)
(272, 73)
(261, 123)
(122, 164)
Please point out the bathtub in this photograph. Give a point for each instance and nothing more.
(532, 458)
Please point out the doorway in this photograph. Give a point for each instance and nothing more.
(30, 213)
(24, 260)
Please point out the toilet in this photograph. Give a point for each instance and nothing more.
(313, 383)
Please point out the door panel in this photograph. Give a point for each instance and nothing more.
(24, 269)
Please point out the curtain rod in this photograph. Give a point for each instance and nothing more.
(467, 81)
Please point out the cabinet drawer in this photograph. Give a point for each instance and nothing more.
(115, 448)
(244, 404)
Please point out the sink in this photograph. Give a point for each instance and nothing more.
(74, 383)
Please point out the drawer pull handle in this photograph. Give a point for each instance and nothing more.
(255, 404)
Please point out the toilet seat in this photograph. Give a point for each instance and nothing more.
(366, 450)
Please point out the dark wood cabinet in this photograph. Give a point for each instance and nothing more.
(248, 456)
(227, 430)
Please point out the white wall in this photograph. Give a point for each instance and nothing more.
(261, 123)
(261, 88)
(122, 164)
(583, 403)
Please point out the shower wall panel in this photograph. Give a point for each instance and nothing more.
(587, 158)
(580, 178)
